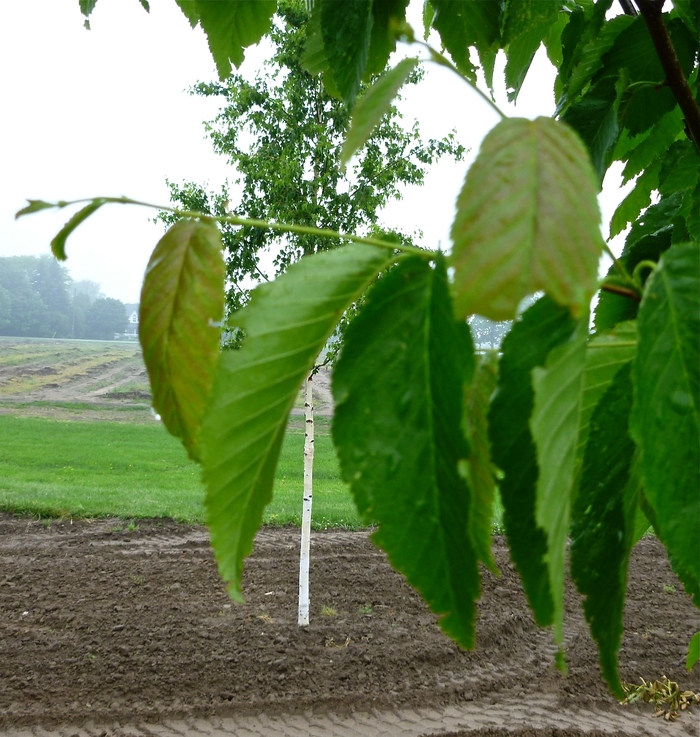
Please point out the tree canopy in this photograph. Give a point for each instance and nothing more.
(589, 435)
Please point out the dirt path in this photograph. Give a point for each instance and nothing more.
(106, 630)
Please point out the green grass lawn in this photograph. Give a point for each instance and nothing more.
(91, 469)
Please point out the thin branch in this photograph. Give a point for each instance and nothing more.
(628, 8)
(651, 11)
(618, 264)
(622, 291)
(263, 224)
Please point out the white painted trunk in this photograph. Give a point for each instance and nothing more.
(306, 511)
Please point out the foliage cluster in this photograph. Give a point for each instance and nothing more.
(38, 299)
(283, 133)
(590, 436)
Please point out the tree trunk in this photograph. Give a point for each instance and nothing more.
(306, 511)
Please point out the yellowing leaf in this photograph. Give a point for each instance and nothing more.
(527, 220)
(181, 300)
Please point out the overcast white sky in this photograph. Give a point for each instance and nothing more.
(105, 112)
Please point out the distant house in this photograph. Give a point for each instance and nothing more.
(132, 328)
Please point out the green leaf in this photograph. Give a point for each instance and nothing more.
(428, 17)
(397, 428)
(641, 521)
(664, 420)
(478, 468)
(651, 147)
(373, 105)
(555, 422)
(527, 219)
(231, 26)
(465, 23)
(594, 118)
(680, 169)
(58, 244)
(693, 651)
(386, 16)
(189, 8)
(87, 6)
(606, 353)
(286, 324)
(540, 329)
(526, 24)
(182, 299)
(595, 44)
(689, 11)
(346, 27)
(35, 206)
(639, 198)
(603, 523)
(145, 5)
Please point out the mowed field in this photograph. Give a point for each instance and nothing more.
(78, 438)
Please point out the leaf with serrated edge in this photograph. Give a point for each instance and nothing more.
(58, 244)
(555, 422)
(231, 26)
(373, 105)
(397, 428)
(606, 353)
(664, 420)
(286, 324)
(181, 300)
(602, 530)
(346, 28)
(540, 329)
(35, 206)
(527, 220)
(478, 468)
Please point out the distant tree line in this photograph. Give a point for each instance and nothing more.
(39, 299)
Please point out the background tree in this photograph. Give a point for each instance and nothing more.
(283, 133)
(105, 318)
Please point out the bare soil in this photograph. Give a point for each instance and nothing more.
(102, 622)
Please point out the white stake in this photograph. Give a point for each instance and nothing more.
(306, 511)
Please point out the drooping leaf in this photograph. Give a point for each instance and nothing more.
(385, 15)
(527, 220)
(231, 26)
(397, 428)
(35, 206)
(594, 118)
(602, 528)
(373, 105)
(540, 329)
(641, 521)
(58, 244)
(189, 8)
(145, 5)
(465, 23)
(693, 651)
(478, 467)
(664, 420)
(286, 324)
(526, 24)
(606, 353)
(597, 40)
(87, 6)
(639, 198)
(314, 59)
(555, 423)
(680, 169)
(651, 147)
(182, 300)
(428, 17)
(346, 27)
(634, 51)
